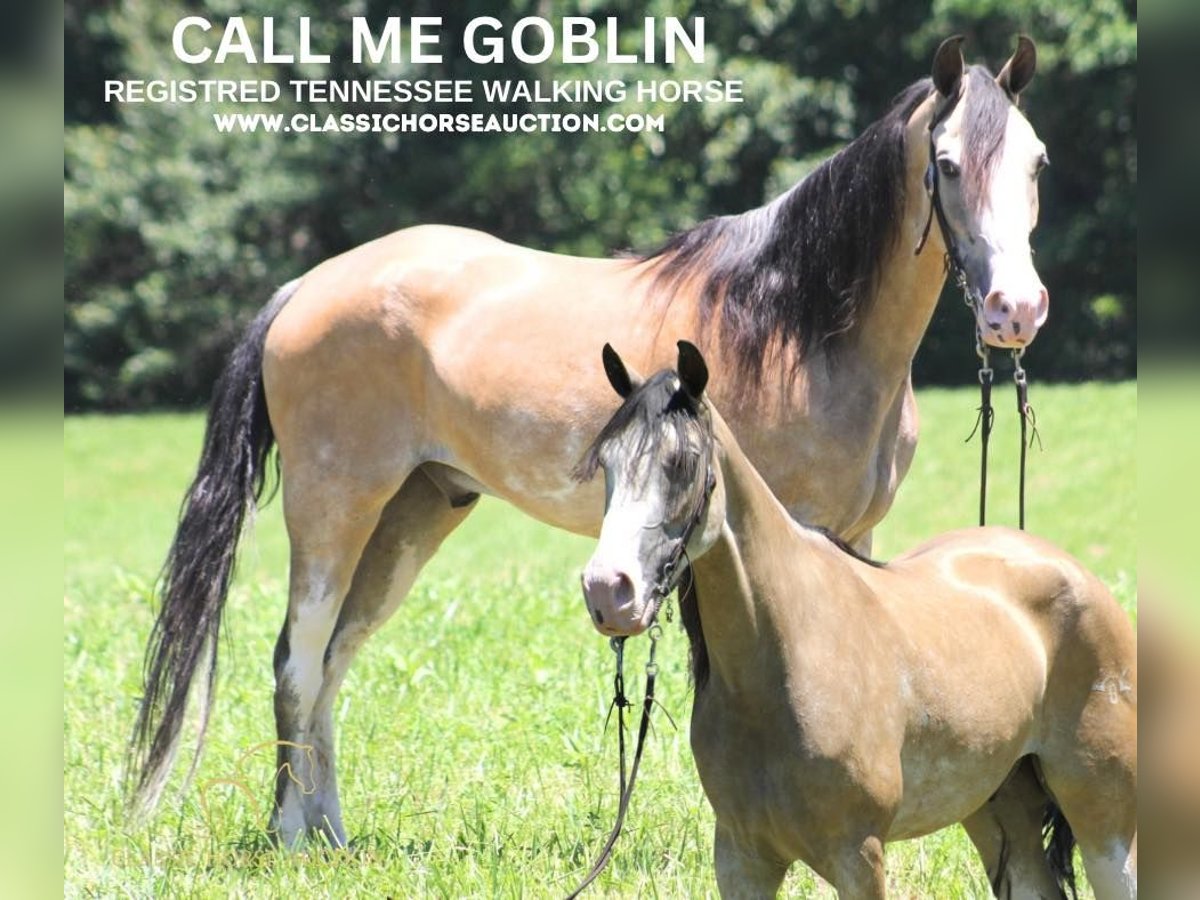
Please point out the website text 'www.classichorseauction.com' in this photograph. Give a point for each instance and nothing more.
(532, 40)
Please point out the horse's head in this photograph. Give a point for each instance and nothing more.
(985, 161)
(662, 498)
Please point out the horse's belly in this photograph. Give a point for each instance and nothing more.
(956, 753)
(974, 707)
(941, 789)
(561, 503)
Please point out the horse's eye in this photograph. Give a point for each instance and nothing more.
(1042, 163)
(949, 168)
(679, 463)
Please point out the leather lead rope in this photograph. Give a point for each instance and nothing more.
(671, 576)
(983, 424)
(984, 421)
(620, 702)
(1029, 430)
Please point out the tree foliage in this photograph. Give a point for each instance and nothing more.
(176, 234)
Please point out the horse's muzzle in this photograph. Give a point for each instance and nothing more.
(612, 602)
(1012, 319)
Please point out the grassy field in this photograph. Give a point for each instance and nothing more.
(472, 761)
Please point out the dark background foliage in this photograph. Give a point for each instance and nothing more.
(176, 235)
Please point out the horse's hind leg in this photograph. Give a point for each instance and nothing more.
(411, 528)
(1101, 811)
(1007, 832)
(330, 518)
(1091, 769)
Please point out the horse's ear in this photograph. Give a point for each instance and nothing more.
(693, 371)
(1018, 71)
(948, 66)
(618, 376)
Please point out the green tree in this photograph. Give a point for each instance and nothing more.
(176, 234)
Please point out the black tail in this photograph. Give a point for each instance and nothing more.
(1060, 848)
(196, 576)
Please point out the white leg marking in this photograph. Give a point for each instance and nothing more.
(308, 637)
(1114, 874)
(291, 819)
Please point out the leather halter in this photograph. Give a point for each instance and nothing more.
(955, 268)
(668, 581)
(672, 572)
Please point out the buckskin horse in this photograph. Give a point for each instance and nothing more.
(985, 677)
(405, 378)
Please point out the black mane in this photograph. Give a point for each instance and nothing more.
(689, 616)
(837, 541)
(802, 269)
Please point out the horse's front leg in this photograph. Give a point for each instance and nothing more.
(742, 874)
(858, 872)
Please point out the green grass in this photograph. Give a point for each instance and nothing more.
(472, 761)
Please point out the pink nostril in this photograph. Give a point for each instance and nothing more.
(1043, 308)
(606, 591)
(622, 589)
(996, 306)
(1000, 310)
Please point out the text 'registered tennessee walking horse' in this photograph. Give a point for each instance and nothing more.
(406, 377)
(985, 677)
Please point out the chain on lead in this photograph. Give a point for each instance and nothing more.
(1018, 371)
(960, 281)
(654, 633)
(618, 647)
(985, 366)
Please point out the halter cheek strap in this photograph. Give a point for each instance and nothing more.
(672, 571)
(954, 262)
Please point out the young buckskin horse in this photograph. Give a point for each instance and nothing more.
(985, 677)
(406, 377)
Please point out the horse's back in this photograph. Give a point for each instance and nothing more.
(998, 556)
(1071, 609)
(448, 345)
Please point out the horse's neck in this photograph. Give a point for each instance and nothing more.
(759, 578)
(909, 284)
